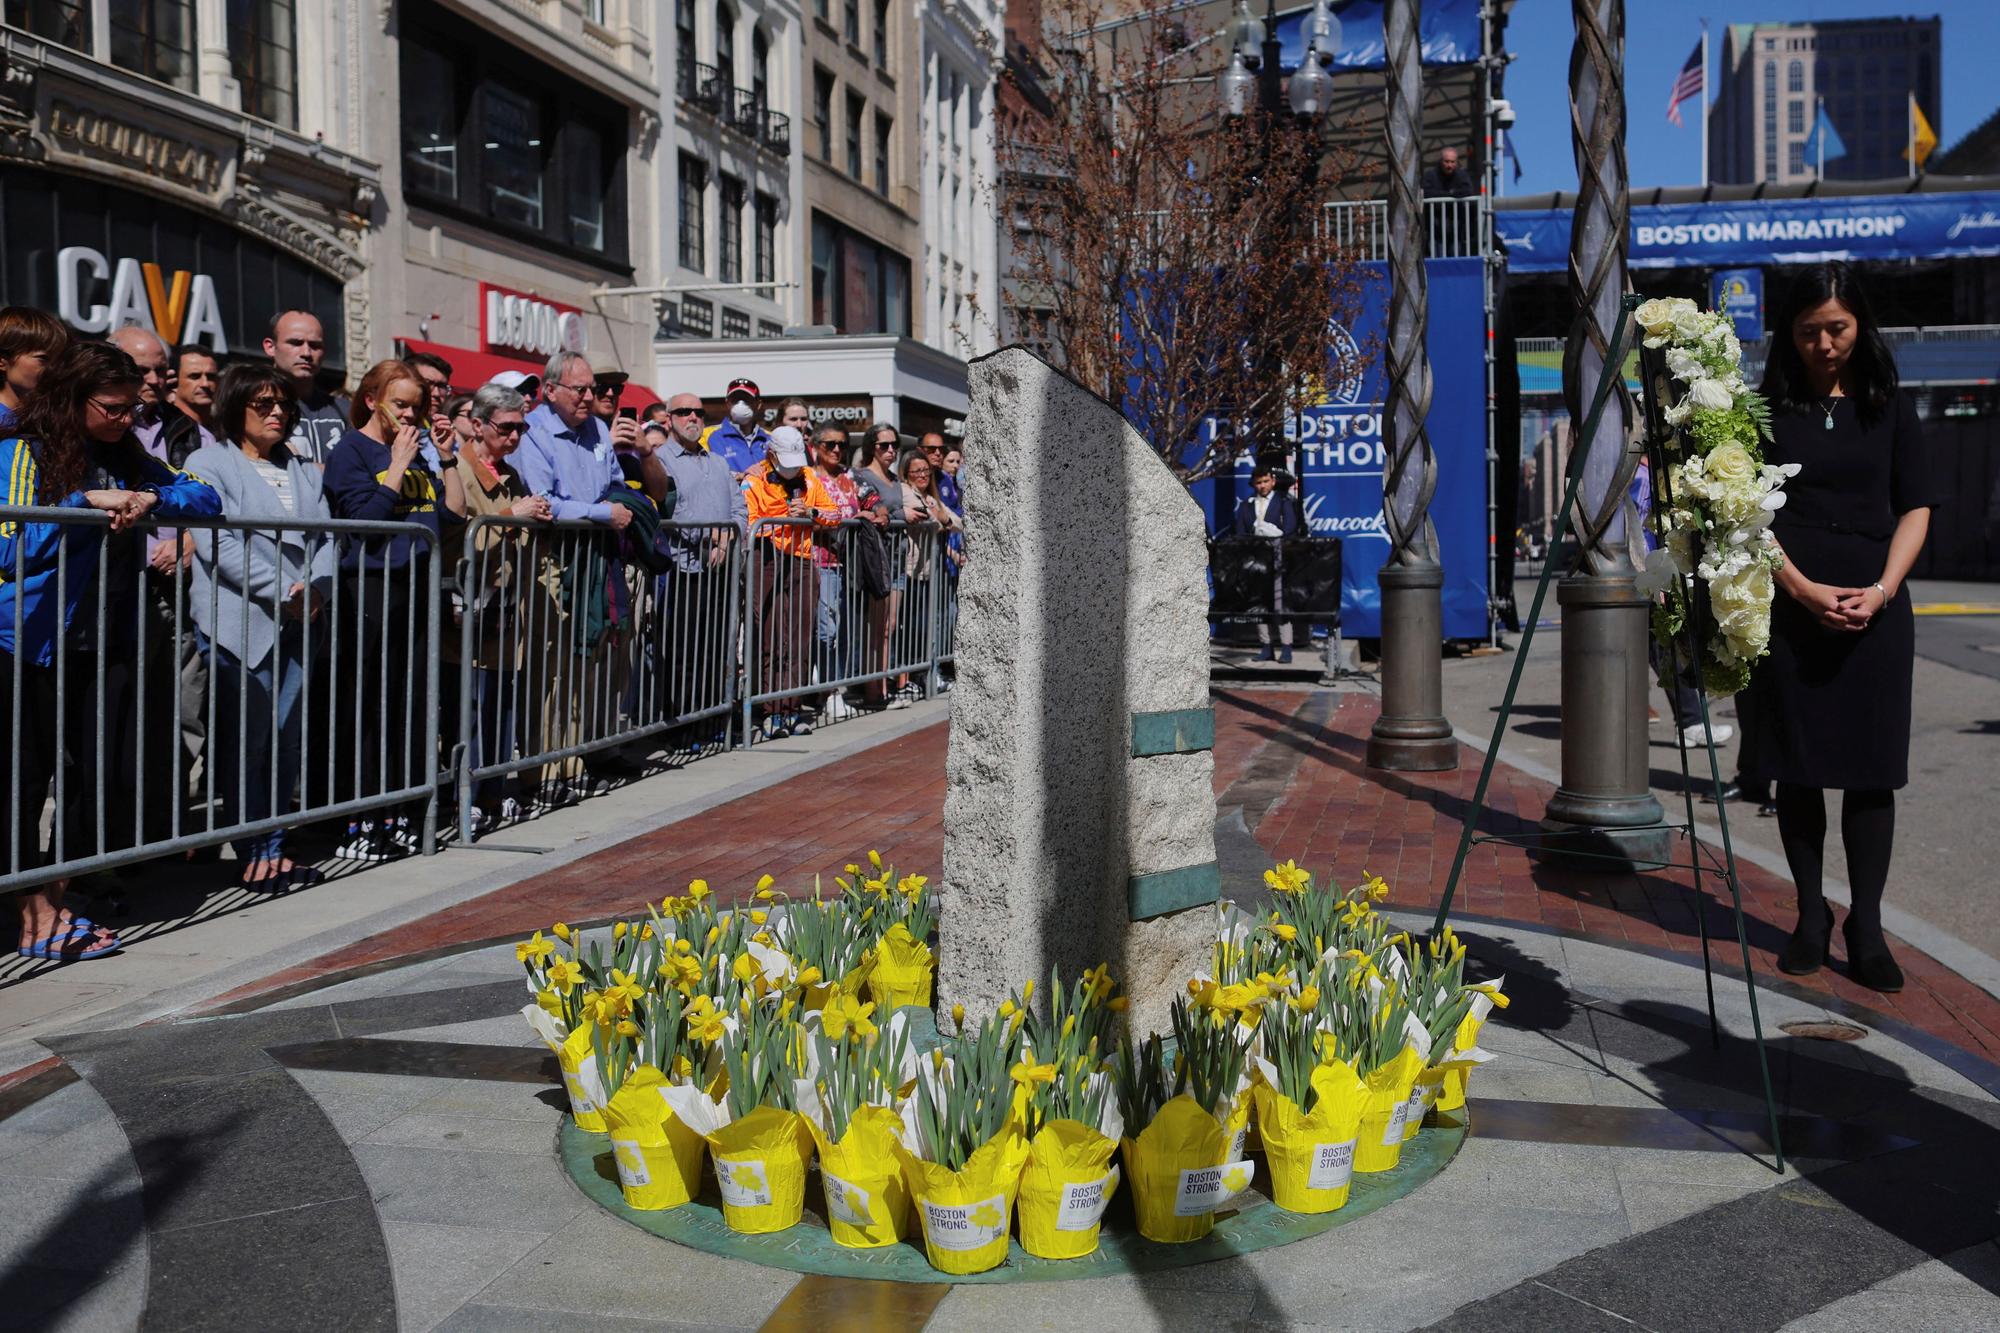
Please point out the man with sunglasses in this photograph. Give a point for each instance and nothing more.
(568, 455)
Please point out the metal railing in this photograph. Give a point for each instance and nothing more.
(283, 674)
(1453, 228)
(260, 676)
(563, 650)
(831, 607)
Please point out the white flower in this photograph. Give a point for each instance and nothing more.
(1731, 465)
(1689, 323)
(1684, 365)
(1710, 396)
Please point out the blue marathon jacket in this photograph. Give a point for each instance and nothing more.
(32, 548)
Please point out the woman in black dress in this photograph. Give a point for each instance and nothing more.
(1830, 706)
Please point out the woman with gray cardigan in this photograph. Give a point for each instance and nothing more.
(256, 599)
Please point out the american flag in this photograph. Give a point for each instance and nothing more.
(1686, 84)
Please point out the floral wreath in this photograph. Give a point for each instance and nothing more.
(1714, 505)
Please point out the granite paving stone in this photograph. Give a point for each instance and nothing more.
(505, 1319)
(442, 1185)
(602, 1266)
(312, 1267)
(439, 1268)
(463, 1133)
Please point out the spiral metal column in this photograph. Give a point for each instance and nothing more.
(1412, 733)
(1606, 786)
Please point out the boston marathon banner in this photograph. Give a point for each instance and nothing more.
(1448, 33)
(1773, 231)
(1340, 452)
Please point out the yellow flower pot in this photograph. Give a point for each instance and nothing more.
(867, 1201)
(1378, 1143)
(903, 973)
(1065, 1186)
(965, 1214)
(1311, 1154)
(760, 1166)
(1451, 1094)
(1180, 1172)
(578, 1060)
(658, 1157)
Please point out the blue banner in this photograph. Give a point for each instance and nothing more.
(1739, 294)
(1773, 231)
(1449, 33)
(1340, 452)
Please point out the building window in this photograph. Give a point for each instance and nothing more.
(760, 69)
(767, 238)
(823, 112)
(262, 58)
(1795, 116)
(1770, 120)
(593, 11)
(856, 108)
(506, 143)
(693, 213)
(766, 329)
(858, 285)
(583, 150)
(883, 129)
(882, 34)
(851, 22)
(735, 323)
(821, 11)
(725, 46)
(1798, 159)
(698, 316)
(729, 234)
(514, 156)
(154, 38)
(432, 118)
(64, 22)
(1795, 77)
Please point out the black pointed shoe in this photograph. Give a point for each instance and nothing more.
(1869, 961)
(1810, 946)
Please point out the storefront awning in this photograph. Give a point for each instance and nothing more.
(470, 369)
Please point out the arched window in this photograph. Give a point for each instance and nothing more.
(1795, 77)
(725, 44)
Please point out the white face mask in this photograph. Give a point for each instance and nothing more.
(740, 413)
(789, 472)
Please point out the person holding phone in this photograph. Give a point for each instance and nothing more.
(377, 472)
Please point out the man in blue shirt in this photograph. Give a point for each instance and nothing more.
(741, 440)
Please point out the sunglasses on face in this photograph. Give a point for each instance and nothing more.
(265, 404)
(580, 390)
(505, 427)
(116, 411)
(683, 411)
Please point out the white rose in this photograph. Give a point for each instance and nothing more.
(1710, 396)
(1655, 316)
(1730, 464)
(1683, 365)
(1688, 323)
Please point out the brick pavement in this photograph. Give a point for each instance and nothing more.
(1332, 813)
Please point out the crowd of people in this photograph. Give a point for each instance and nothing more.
(222, 652)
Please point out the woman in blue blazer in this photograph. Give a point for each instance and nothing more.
(257, 598)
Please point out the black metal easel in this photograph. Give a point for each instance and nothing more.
(1686, 649)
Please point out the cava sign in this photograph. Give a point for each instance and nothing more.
(516, 322)
(180, 307)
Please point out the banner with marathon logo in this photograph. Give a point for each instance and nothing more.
(1773, 231)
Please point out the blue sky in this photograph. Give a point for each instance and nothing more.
(1659, 35)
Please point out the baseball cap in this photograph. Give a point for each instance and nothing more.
(743, 386)
(604, 368)
(788, 447)
(519, 381)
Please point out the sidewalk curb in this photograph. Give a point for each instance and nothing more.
(1973, 964)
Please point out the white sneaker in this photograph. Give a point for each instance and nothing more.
(898, 701)
(1716, 733)
(511, 810)
(364, 843)
(837, 709)
(801, 725)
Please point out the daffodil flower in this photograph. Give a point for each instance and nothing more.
(533, 951)
(705, 1023)
(698, 890)
(1027, 1075)
(564, 974)
(561, 931)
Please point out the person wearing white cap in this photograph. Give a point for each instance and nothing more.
(788, 498)
(528, 386)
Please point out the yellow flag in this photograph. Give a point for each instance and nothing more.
(1922, 137)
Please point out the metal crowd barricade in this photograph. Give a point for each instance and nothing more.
(808, 636)
(1271, 581)
(564, 650)
(159, 717)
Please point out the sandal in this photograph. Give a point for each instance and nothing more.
(63, 948)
